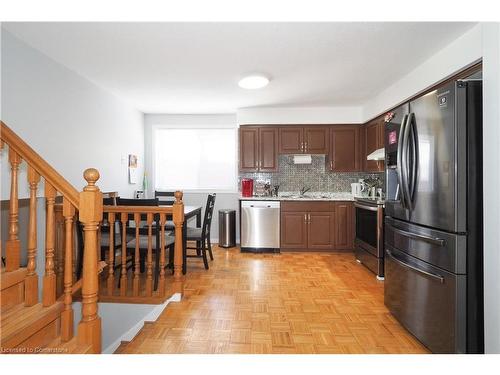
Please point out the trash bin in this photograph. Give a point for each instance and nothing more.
(227, 228)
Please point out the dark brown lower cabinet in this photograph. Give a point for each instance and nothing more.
(316, 226)
(344, 225)
(293, 230)
(321, 230)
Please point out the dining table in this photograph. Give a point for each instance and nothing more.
(189, 213)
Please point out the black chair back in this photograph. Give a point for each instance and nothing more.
(137, 202)
(166, 197)
(209, 213)
(140, 202)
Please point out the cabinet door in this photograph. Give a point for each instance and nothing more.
(381, 142)
(371, 144)
(316, 140)
(294, 230)
(344, 149)
(249, 149)
(291, 140)
(344, 226)
(268, 149)
(381, 134)
(321, 230)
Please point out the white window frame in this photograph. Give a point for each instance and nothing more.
(155, 128)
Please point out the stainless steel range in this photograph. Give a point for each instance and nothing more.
(369, 242)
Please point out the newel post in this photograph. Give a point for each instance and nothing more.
(90, 214)
(178, 218)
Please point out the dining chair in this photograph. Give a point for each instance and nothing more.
(104, 237)
(166, 198)
(202, 235)
(143, 235)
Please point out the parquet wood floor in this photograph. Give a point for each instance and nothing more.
(277, 303)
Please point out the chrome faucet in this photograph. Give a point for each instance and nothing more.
(304, 190)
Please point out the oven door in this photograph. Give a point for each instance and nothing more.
(367, 228)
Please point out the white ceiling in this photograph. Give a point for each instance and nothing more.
(195, 67)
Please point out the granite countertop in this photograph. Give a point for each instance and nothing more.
(313, 196)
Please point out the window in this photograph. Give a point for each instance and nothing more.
(195, 159)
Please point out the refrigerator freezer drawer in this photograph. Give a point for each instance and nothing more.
(441, 249)
(427, 300)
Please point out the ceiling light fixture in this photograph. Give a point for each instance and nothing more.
(253, 82)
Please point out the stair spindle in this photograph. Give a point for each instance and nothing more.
(67, 314)
(111, 258)
(178, 218)
(137, 220)
(49, 279)
(161, 288)
(123, 278)
(12, 245)
(59, 249)
(90, 214)
(31, 281)
(149, 259)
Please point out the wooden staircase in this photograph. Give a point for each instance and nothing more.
(28, 323)
(39, 319)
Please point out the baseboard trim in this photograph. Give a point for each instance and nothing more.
(132, 332)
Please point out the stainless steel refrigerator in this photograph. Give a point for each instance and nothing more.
(433, 224)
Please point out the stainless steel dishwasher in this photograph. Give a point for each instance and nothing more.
(260, 226)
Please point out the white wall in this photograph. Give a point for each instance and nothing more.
(224, 199)
(300, 115)
(462, 52)
(72, 123)
(491, 179)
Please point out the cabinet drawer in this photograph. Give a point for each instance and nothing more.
(306, 206)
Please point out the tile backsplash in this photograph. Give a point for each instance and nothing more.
(292, 177)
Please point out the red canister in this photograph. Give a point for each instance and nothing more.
(247, 187)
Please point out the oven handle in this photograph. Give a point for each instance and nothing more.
(415, 236)
(430, 274)
(363, 207)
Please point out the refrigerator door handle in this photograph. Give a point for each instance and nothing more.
(430, 274)
(405, 167)
(413, 156)
(399, 166)
(431, 240)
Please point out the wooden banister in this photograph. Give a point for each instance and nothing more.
(38, 164)
(88, 204)
(90, 214)
(147, 226)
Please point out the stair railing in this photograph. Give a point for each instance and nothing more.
(140, 228)
(88, 205)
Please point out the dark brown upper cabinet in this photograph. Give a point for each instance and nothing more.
(258, 149)
(374, 139)
(316, 140)
(344, 154)
(303, 140)
(291, 140)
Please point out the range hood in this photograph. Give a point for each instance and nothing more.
(302, 159)
(377, 155)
